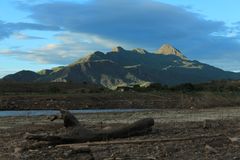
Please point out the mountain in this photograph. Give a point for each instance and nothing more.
(127, 67)
(167, 49)
(22, 76)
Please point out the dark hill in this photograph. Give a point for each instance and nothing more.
(22, 76)
(126, 67)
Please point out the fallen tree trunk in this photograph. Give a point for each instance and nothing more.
(76, 133)
(157, 140)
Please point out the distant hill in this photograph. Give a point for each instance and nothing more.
(122, 67)
(22, 76)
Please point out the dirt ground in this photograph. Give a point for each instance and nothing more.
(114, 99)
(202, 139)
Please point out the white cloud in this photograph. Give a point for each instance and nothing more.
(7, 29)
(22, 36)
(71, 47)
(102, 24)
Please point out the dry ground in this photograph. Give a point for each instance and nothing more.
(14, 146)
(114, 99)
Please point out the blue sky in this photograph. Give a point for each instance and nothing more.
(38, 34)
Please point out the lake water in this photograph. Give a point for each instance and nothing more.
(8, 113)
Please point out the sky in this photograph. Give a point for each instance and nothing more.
(41, 34)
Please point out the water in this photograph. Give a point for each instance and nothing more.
(8, 113)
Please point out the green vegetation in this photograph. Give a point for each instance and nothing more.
(85, 95)
(212, 86)
(85, 87)
(49, 88)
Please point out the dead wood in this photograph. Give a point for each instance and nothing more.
(69, 119)
(76, 133)
(76, 145)
(53, 118)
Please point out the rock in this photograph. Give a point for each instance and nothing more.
(67, 153)
(234, 139)
(107, 128)
(208, 123)
(210, 149)
(17, 152)
(151, 158)
(169, 150)
(82, 149)
(112, 158)
(219, 142)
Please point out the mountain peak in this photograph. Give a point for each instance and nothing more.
(140, 50)
(97, 55)
(168, 49)
(128, 67)
(118, 49)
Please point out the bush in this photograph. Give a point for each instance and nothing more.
(54, 89)
(186, 87)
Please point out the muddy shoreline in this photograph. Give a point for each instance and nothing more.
(129, 115)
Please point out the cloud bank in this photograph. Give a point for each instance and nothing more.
(7, 29)
(131, 23)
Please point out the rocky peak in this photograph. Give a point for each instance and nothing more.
(98, 53)
(90, 57)
(140, 50)
(118, 49)
(168, 49)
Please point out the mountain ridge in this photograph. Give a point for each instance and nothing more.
(168, 49)
(121, 67)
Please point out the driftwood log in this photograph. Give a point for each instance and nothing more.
(134, 141)
(76, 133)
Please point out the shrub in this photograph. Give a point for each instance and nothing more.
(54, 89)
